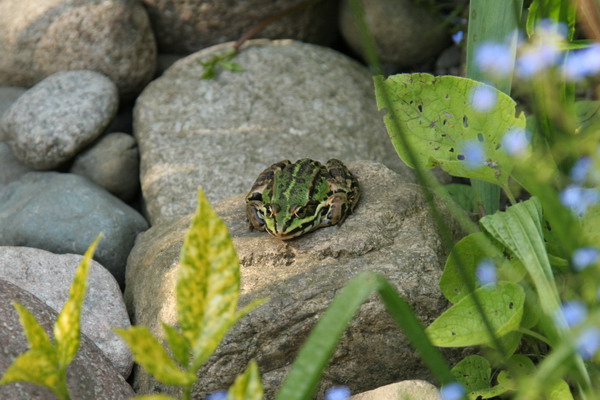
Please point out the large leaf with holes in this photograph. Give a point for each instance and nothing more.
(437, 118)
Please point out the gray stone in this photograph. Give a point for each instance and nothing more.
(293, 100)
(8, 95)
(449, 62)
(90, 376)
(11, 169)
(39, 38)
(390, 232)
(49, 276)
(186, 26)
(405, 33)
(63, 213)
(416, 389)
(113, 163)
(59, 116)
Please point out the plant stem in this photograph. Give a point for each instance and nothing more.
(535, 335)
(509, 194)
(187, 392)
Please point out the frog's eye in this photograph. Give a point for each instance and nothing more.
(299, 212)
(256, 196)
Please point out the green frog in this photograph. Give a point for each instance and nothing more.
(291, 199)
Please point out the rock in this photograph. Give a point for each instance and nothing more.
(51, 122)
(404, 32)
(113, 163)
(449, 62)
(90, 376)
(390, 232)
(8, 95)
(39, 38)
(11, 169)
(63, 213)
(49, 276)
(416, 389)
(293, 100)
(188, 25)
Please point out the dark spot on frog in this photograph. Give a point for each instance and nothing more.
(282, 196)
(300, 180)
(255, 196)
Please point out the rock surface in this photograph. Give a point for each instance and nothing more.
(405, 33)
(113, 163)
(390, 232)
(11, 168)
(8, 95)
(39, 38)
(293, 100)
(51, 122)
(417, 390)
(49, 276)
(90, 376)
(63, 213)
(186, 26)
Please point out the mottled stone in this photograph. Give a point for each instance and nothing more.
(11, 168)
(417, 390)
(63, 213)
(59, 116)
(49, 276)
(390, 232)
(113, 163)
(405, 33)
(186, 26)
(90, 376)
(293, 100)
(39, 38)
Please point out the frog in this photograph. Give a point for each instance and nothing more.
(289, 199)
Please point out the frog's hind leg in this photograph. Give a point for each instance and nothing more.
(342, 180)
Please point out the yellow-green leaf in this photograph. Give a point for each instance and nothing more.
(35, 366)
(35, 334)
(209, 279)
(178, 344)
(247, 386)
(66, 327)
(148, 352)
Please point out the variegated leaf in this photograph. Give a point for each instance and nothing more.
(149, 353)
(247, 386)
(37, 366)
(35, 334)
(66, 327)
(178, 344)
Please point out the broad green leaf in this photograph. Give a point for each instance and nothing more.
(461, 325)
(519, 229)
(557, 10)
(474, 372)
(559, 390)
(178, 344)
(35, 366)
(247, 386)
(66, 327)
(463, 195)
(35, 334)
(208, 280)
(301, 382)
(509, 342)
(438, 114)
(148, 352)
(590, 223)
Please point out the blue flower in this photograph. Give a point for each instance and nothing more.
(516, 142)
(585, 257)
(220, 395)
(452, 391)
(548, 26)
(582, 63)
(458, 37)
(588, 342)
(574, 313)
(486, 272)
(337, 393)
(578, 198)
(473, 154)
(483, 98)
(581, 169)
(494, 58)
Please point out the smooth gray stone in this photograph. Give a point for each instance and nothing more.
(59, 116)
(11, 168)
(64, 213)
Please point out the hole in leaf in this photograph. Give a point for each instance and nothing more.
(447, 96)
(465, 121)
(451, 149)
(498, 146)
(420, 108)
(480, 137)
(444, 123)
(460, 157)
(510, 305)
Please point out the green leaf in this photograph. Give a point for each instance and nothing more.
(474, 372)
(208, 282)
(247, 386)
(509, 342)
(461, 325)
(519, 229)
(437, 113)
(589, 225)
(557, 10)
(178, 344)
(37, 366)
(301, 382)
(560, 391)
(463, 195)
(148, 352)
(67, 325)
(35, 334)
(231, 66)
